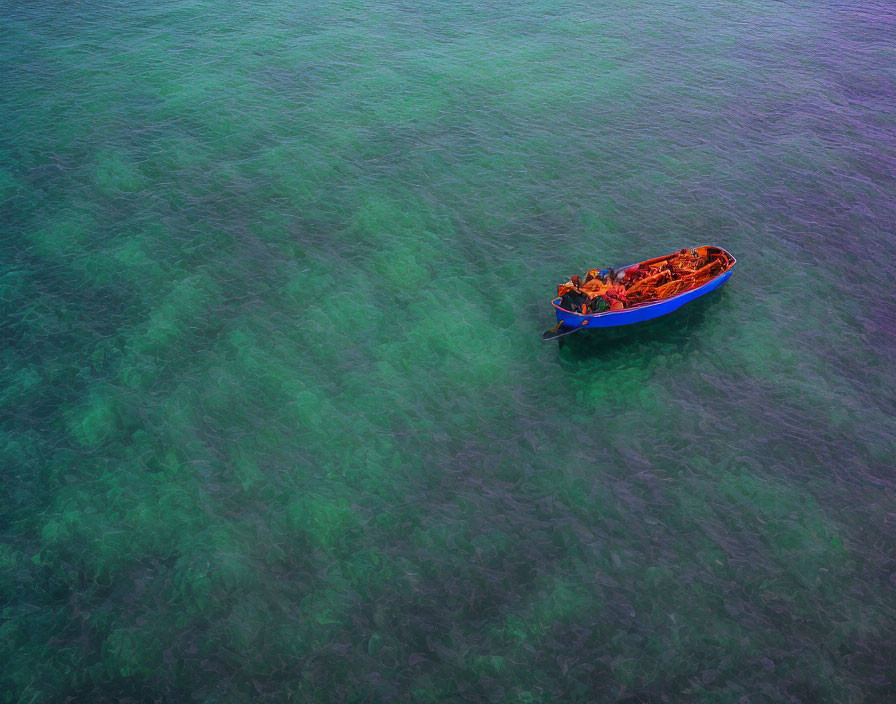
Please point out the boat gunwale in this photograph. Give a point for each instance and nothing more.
(653, 303)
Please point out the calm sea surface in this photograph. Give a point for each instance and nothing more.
(276, 423)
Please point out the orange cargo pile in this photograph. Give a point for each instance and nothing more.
(650, 281)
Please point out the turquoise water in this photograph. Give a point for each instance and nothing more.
(277, 424)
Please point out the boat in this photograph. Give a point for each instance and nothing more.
(680, 285)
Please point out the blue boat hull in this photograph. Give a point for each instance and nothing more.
(630, 316)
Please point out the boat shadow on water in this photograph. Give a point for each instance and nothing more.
(676, 329)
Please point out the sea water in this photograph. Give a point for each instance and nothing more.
(277, 422)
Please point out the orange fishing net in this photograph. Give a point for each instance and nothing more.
(647, 282)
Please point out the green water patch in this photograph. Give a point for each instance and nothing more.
(113, 173)
(65, 236)
(9, 185)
